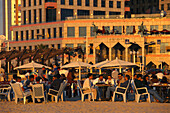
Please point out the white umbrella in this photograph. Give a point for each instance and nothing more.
(76, 64)
(100, 64)
(32, 65)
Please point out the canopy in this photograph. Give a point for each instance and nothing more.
(118, 63)
(77, 64)
(100, 64)
(32, 65)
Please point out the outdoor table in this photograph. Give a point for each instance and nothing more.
(160, 87)
(103, 87)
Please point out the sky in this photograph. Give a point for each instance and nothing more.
(1, 21)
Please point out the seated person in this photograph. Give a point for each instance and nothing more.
(28, 84)
(164, 80)
(38, 82)
(139, 83)
(63, 77)
(120, 79)
(89, 84)
(14, 78)
(99, 80)
(56, 84)
(19, 82)
(112, 88)
(154, 79)
(124, 84)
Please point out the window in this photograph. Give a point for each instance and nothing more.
(60, 32)
(66, 13)
(35, 16)
(49, 33)
(154, 27)
(62, 2)
(118, 4)
(87, 3)
(58, 46)
(29, 3)
(30, 47)
(118, 29)
(110, 4)
(38, 33)
(83, 12)
(55, 31)
(98, 12)
(114, 13)
(129, 29)
(70, 31)
(24, 17)
(27, 35)
(102, 3)
(29, 16)
(82, 31)
(25, 47)
(95, 3)
(32, 34)
(16, 35)
(50, 15)
(24, 3)
(163, 47)
(40, 15)
(167, 27)
(168, 6)
(91, 48)
(70, 2)
(92, 33)
(52, 45)
(22, 35)
(43, 33)
(40, 2)
(19, 48)
(35, 2)
(79, 2)
(70, 45)
(162, 6)
(83, 47)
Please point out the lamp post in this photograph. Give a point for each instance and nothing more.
(86, 48)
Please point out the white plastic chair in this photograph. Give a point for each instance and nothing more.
(38, 92)
(138, 95)
(121, 93)
(6, 92)
(90, 94)
(59, 92)
(19, 93)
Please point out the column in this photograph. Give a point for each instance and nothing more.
(143, 58)
(52, 32)
(43, 14)
(94, 56)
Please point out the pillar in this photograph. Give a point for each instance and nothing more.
(110, 54)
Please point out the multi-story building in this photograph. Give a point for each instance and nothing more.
(11, 16)
(69, 28)
(165, 5)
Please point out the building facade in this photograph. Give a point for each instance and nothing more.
(165, 5)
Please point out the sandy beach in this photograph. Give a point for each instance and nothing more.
(84, 107)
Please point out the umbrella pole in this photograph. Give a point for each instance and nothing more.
(120, 70)
(17, 72)
(91, 70)
(79, 73)
(132, 72)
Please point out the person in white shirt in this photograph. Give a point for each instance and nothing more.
(99, 80)
(112, 88)
(89, 84)
(19, 82)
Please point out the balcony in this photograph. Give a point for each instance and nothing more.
(52, 4)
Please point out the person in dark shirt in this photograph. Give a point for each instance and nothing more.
(124, 84)
(56, 84)
(139, 83)
(28, 84)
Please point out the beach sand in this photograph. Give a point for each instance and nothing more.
(84, 107)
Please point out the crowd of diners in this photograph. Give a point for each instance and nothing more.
(112, 80)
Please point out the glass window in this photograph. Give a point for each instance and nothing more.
(29, 16)
(59, 46)
(27, 35)
(70, 32)
(71, 2)
(129, 29)
(29, 3)
(95, 3)
(91, 48)
(102, 3)
(32, 34)
(52, 45)
(79, 2)
(118, 29)
(43, 33)
(35, 3)
(50, 15)
(24, 3)
(162, 6)
(19, 48)
(30, 47)
(163, 47)
(167, 27)
(82, 31)
(16, 35)
(40, 2)
(154, 27)
(168, 6)
(22, 35)
(60, 32)
(110, 4)
(87, 3)
(92, 32)
(35, 16)
(55, 31)
(38, 33)
(25, 47)
(49, 33)
(62, 2)
(66, 13)
(118, 4)
(24, 17)
(83, 47)
(83, 12)
(70, 45)
(40, 15)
